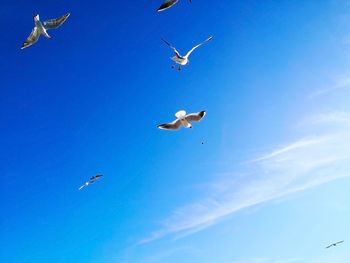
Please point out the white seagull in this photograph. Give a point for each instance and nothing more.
(335, 244)
(167, 4)
(183, 60)
(183, 120)
(41, 29)
(86, 184)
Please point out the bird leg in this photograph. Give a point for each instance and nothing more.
(173, 66)
(179, 69)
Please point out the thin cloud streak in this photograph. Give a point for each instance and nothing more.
(341, 84)
(299, 144)
(266, 260)
(298, 166)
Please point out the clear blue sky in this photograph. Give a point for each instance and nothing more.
(270, 184)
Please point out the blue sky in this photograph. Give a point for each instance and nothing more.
(270, 184)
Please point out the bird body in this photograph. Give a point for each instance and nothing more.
(335, 244)
(183, 60)
(183, 120)
(92, 180)
(41, 29)
(180, 60)
(181, 115)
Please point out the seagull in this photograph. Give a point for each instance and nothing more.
(96, 177)
(167, 4)
(86, 184)
(335, 244)
(41, 29)
(183, 120)
(183, 60)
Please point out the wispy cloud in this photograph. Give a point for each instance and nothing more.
(266, 260)
(342, 83)
(287, 260)
(297, 166)
(159, 257)
(335, 117)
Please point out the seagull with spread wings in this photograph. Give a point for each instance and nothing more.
(167, 4)
(183, 60)
(335, 244)
(41, 29)
(183, 120)
(86, 184)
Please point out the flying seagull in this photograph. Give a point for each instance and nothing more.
(41, 29)
(96, 177)
(335, 244)
(183, 60)
(183, 120)
(86, 184)
(167, 4)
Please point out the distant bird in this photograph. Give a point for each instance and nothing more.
(167, 4)
(41, 29)
(86, 184)
(183, 120)
(202, 143)
(96, 177)
(183, 60)
(335, 244)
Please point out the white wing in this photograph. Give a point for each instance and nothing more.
(174, 49)
(189, 52)
(175, 125)
(55, 23)
(167, 4)
(33, 37)
(193, 117)
(81, 187)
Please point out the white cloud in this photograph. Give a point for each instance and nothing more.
(297, 166)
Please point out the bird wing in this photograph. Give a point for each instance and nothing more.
(339, 242)
(33, 37)
(193, 117)
(55, 23)
(81, 187)
(175, 125)
(96, 176)
(189, 52)
(166, 5)
(174, 49)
